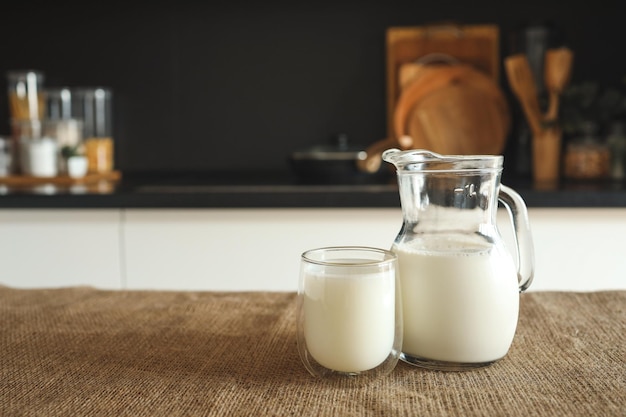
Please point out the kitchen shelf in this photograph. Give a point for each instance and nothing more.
(22, 181)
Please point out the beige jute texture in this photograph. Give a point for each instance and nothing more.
(87, 352)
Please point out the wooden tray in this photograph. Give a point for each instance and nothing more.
(477, 45)
(28, 181)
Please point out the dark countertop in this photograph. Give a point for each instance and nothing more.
(275, 190)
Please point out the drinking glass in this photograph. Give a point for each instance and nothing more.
(349, 321)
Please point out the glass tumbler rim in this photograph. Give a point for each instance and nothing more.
(387, 256)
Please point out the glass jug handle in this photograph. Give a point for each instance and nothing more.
(518, 213)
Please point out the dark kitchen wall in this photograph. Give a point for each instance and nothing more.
(240, 85)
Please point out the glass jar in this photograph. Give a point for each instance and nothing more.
(587, 157)
(616, 140)
(94, 107)
(6, 156)
(26, 95)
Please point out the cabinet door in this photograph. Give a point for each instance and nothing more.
(241, 249)
(579, 249)
(54, 248)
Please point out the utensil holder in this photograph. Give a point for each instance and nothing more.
(547, 156)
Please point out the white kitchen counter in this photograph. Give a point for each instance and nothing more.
(578, 249)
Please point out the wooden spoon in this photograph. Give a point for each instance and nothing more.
(557, 73)
(523, 85)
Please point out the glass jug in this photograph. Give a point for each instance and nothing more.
(460, 285)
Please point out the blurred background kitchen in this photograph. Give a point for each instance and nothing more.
(192, 82)
(227, 93)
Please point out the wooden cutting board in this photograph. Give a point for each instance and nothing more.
(476, 45)
(456, 107)
(453, 109)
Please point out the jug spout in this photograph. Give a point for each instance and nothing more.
(393, 155)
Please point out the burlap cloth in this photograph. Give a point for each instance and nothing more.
(87, 352)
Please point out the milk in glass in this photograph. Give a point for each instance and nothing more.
(349, 316)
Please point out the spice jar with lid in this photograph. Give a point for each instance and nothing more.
(587, 157)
